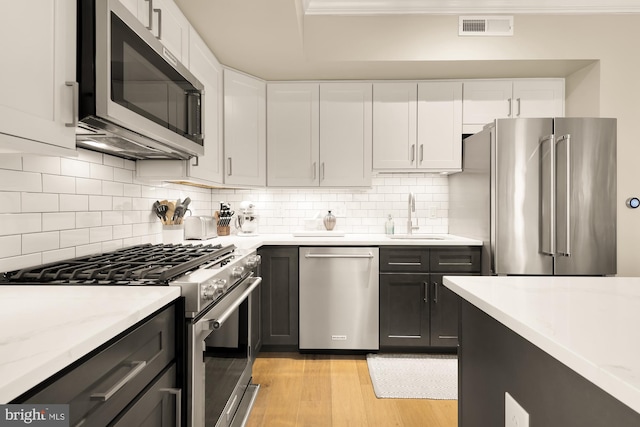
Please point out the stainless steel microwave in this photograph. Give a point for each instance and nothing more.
(135, 99)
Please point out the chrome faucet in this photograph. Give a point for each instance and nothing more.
(412, 208)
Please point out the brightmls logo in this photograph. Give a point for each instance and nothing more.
(34, 415)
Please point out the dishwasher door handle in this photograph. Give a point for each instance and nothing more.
(369, 255)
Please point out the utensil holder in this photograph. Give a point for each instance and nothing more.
(223, 230)
(172, 234)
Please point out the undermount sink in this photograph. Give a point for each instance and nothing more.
(418, 236)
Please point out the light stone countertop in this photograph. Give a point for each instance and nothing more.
(588, 323)
(44, 329)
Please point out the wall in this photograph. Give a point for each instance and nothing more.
(54, 208)
(358, 211)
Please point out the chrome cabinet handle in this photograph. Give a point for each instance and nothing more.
(509, 111)
(315, 175)
(518, 102)
(421, 153)
(150, 26)
(178, 394)
(426, 291)
(217, 323)
(413, 153)
(322, 171)
(159, 12)
(74, 120)
(436, 285)
(197, 161)
(229, 169)
(138, 366)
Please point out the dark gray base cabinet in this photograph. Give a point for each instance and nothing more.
(280, 324)
(133, 377)
(418, 313)
(494, 360)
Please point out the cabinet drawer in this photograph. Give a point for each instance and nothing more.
(455, 260)
(414, 260)
(98, 389)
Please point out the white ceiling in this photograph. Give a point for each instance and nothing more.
(277, 40)
(373, 7)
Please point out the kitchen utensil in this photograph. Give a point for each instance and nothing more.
(162, 211)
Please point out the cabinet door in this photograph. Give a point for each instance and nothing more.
(394, 125)
(171, 27)
(206, 68)
(158, 406)
(280, 291)
(244, 129)
(484, 101)
(345, 134)
(404, 310)
(440, 126)
(293, 134)
(38, 43)
(538, 98)
(445, 311)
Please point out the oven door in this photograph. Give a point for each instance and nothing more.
(140, 85)
(220, 359)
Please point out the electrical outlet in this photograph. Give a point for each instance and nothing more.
(433, 212)
(514, 414)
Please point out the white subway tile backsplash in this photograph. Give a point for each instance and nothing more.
(131, 190)
(39, 242)
(58, 184)
(11, 161)
(77, 237)
(122, 231)
(88, 219)
(100, 234)
(88, 186)
(58, 255)
(43, 164)
(58, 221)
(74, 203)
(123, 175)
(125, 203)
(84, 250)
(116, 162)
(112, 188)
(100, 203)
(89, 156)
(13, 180)
(10, 246)
(39, 202)
(112, 217)
(10, 202)
(18, 262)
(102, 172)
(20, 223)
(74, 167)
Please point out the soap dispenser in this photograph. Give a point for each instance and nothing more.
(389, 226)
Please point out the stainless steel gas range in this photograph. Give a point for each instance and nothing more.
(220, 286)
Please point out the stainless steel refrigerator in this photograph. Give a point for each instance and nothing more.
(541, 194)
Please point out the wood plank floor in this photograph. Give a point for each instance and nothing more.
(332, 391)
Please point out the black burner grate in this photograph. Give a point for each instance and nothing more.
(139, 265)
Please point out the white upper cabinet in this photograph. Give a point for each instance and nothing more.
(167, 23)
(395, 129)
(208, 168)
(244, 129)
(417, 126)
(487, 100)
(345, 134)
(319, 134)
(440, 126)
(293, 134)
(37, 78)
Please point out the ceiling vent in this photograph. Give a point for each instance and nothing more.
(485, 26)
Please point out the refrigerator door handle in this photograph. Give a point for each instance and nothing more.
(564, 197)
(548, 196)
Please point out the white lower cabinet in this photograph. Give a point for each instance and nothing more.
(417, 126)
(319, 134)
(244, 129)
(38, 77)
(208, 168)
(487, 100)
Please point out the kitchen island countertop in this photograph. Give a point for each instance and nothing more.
(590, 324)
(46, 328)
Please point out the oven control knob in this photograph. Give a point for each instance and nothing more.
(237, 272)
(253, 261)
(214, 289)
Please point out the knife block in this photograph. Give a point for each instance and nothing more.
(223, 230)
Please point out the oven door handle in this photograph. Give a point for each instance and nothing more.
(217, 323)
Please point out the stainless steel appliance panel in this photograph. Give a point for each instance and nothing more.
(516, 211)
(586, 196)
(339, 298)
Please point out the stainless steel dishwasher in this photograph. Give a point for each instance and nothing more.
(339, 298)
